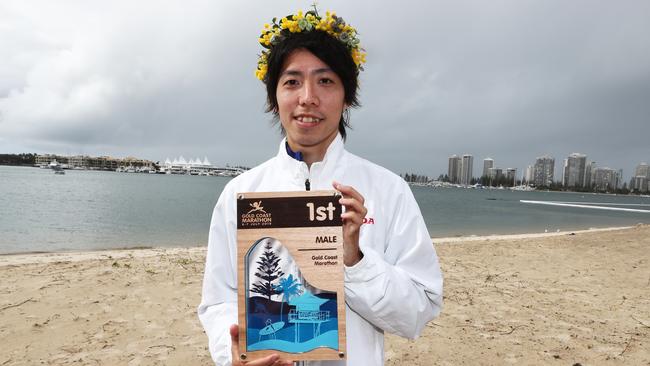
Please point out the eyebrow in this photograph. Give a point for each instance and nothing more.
(299, 73)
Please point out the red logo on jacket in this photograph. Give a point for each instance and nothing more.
(368, 220)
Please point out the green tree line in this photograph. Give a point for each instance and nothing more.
(17, 159)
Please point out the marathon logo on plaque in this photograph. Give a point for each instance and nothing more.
(290, 275)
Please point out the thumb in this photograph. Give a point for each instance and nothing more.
(234, 334)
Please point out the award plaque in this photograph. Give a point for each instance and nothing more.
(290, 275)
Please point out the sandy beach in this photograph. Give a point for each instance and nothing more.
(567, 298)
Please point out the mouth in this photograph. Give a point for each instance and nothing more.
(307, 120)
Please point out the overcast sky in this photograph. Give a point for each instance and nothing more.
(510, 80)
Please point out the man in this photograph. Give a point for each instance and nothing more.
(392, 276)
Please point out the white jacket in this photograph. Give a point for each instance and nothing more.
(396, 287)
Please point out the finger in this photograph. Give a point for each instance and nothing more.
(352, 204)
(352, 217)
(270, 360)
(348, 191)
(234, 340)
(283, 363)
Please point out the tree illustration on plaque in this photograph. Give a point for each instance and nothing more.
(268, 270)
(288, 287)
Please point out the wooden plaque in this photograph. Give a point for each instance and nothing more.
(290, 275)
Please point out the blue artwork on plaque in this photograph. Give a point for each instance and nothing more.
(283, 311)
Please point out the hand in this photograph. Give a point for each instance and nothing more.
(272, 360)
(353, 217)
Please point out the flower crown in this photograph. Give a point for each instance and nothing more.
(333, 25)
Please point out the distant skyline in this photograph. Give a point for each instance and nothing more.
(558, 170)
(509, 80)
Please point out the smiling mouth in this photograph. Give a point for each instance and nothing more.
(308, 119)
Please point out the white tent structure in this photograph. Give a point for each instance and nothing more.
(193, 167)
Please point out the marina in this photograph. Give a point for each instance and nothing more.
(90, 209)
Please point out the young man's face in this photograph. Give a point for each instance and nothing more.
(310, 103)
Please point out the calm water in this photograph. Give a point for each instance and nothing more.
(82, 210)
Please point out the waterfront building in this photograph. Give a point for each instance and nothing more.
(588, 174)
(642, 170)
(198, 167)
(192, 167)
(605, 179)
(487, 164)
(530, 174)
(92, 162)
(639, 184)
(493, 176)
(136, 163)
(511, 176)
(641, 179)
(544, 171)
(495, 173)
(453, 172)
(467, 165)
(46, 159)
(574, 170)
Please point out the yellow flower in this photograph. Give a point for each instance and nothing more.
(261, 71)
(358, 57)
(301, 22)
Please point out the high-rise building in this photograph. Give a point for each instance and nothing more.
(588, 173)
(454, 169)
(467, 165)
(530, 174)
(544, 171)
(641, 179)
(487, 164)
(605, 179)
(619, 179)
(574, 170)
(511, 176)
(642, 170)
(495, 173)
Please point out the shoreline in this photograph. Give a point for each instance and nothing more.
(645, 195)
(147, 251)
(455, 239)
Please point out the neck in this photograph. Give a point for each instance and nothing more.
(312, 154)
(310, 157)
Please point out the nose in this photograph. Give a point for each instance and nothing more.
(308, 94)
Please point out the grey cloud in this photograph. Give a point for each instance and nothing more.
(507, 79)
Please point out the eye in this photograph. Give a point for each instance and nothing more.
(326, 81)
(290, 82)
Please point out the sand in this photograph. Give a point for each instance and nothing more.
(557, 299)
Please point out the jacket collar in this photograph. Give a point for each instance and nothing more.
(327, 168)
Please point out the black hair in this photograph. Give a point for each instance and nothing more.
(329, 50)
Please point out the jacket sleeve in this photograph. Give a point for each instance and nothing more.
(218, 308)
(400, 289)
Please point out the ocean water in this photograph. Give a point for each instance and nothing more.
(86, 210)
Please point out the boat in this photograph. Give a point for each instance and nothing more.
(58, 168)
(54, 164)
